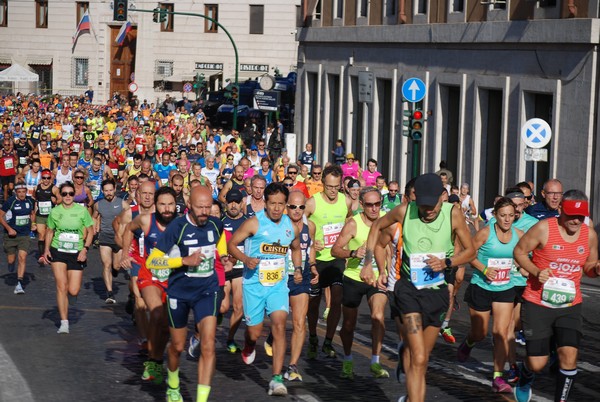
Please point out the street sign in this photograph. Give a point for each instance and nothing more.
(413, 90)
(267, 101)
(132, 87)
(365, 86)
(536, 133)
(187, 87)
(536, 155)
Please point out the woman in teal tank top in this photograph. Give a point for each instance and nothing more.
(492, 290)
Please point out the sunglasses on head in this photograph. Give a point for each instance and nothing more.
(67, 193)
(302, 207)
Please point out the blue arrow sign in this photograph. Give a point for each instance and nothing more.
(413, 90)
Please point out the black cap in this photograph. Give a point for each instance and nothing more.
(428, 188)
(234, 196)
(353, 183)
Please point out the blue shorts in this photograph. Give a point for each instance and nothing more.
(258, 299)
(135, 268)
(298, 288)
(207, 305)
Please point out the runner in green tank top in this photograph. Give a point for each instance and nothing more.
(328, 210)
(421, 296)
(350, 245)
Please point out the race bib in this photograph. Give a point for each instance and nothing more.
(373, 264)
(164, 181)
(239, 264)
(8, 163)
(421, 274)
(22, 160)
(503, 266)
(558, 293)
(160, 275)
(36, 135)
(44, 207)
(330, 233)
(139, 147)
(115, 172)
(68, 242)
(270, 272)
(22, 220)
(290, 263)
(206, 266)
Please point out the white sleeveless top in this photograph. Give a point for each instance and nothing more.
(63, 178)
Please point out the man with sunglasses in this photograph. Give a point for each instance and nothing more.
(16, 216)
(358, 282)
(552, 194)
(293, 171)
(46, 197)
(392, 199)
(314, 184)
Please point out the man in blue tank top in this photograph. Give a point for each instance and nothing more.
(268, 236)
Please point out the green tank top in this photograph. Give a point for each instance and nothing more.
(354, 265)
(494, 253)
(329, 220)
(419, 239)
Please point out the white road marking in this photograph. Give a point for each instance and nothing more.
(13, 386)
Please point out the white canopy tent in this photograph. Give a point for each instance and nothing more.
(15, 74)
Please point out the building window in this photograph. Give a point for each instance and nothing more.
(164, 68)
(339, 8)
(317, 14)
(3, 13)
(458, 6)
(80, 72)
(390, 8)
(499, 5)
(212, 11)
(167, 25)
(421, 6)
(257, 20)
(41, 14)
(81, 7)
(364, 8)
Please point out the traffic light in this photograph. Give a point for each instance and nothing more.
(416, 125)
(235, 90)
(163, 15)
(406, 122)
(120, 10)
(155, 14)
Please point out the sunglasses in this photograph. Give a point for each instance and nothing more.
(68, 193)
(46, 177)
(288, 184)
(372, 204)
(78, 177)
(292, 172)
(529, 197)
(292, 207)
(317, 172)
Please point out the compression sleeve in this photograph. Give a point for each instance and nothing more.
(158, 260)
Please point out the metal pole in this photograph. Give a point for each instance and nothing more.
(415, 158)
(235, 50)
(534, 178)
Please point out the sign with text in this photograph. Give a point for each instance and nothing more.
(259, 68)
(209, 66)
(365, 86)
(266, 100)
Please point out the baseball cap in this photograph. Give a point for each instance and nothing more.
(234, 196)
(575, 207)
(453, 198)
(353, 184)
(253, 148)
(428, 188)
(350, 156)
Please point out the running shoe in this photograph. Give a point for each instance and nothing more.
(447, 335)
(522, 391)
(512, 375)
(194, 347)
(110, 298)
(268, 349)
(63, 329)
(233, 347)
(313, 347)
(292, 373)
(249, 354)
(378, 371)
(325, 314)
(501, 386)
(400, 376)
(520, 338)
(464, 351)
(276, 387)
(173, 395)
(153, 371)
(347, 370)
(328, 349)
(146, 375)
(19, 289)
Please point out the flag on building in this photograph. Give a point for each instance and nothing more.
(84, 26)
(126, 27)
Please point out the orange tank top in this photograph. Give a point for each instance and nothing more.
(566, 260)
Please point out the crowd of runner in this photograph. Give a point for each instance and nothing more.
(222, 222)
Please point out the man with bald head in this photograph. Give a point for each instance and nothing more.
(189, 247)
(548, 208)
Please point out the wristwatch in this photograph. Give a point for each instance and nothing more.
(448, 262)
